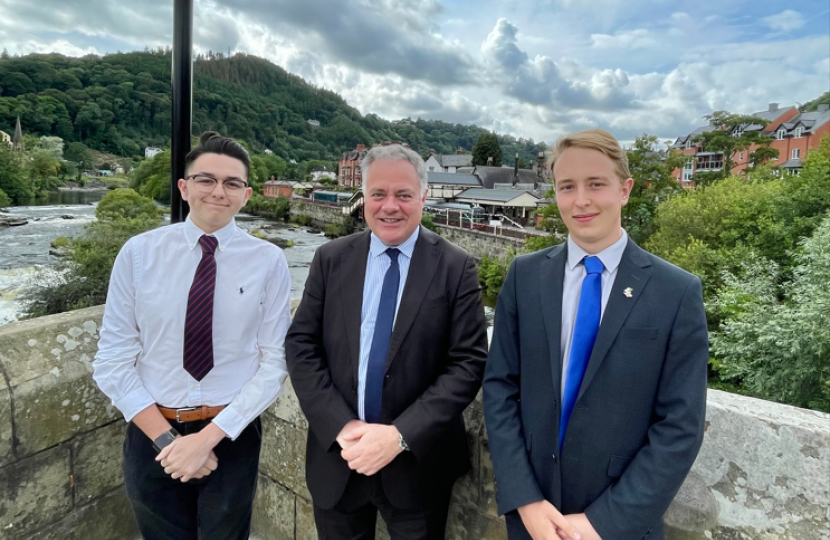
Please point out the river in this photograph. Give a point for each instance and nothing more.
(24, 250)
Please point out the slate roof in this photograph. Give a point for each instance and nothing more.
(452, 179)
(454, 160)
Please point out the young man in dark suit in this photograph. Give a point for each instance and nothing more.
(386, 351)
(595, 387)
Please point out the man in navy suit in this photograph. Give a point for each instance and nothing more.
(595, 387)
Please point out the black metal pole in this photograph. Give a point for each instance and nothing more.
(182, 86)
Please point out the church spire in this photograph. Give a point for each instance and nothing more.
(17, 140)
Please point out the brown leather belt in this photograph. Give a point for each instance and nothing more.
(191, 414)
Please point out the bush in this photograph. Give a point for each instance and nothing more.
(60, 241)
(428, 223)
(493, 270)
(775, 340)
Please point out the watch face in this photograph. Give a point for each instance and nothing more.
(164, 439)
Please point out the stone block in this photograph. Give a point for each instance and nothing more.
(488, 485)
(287, 408)
(694, 511)
(274, 511)
(106, 518)
(465, 523)
(30, 349)
(97, 462)
(53, 408)
(467, 489)
(6, 432)
(283, 454)
(305, 528)
(34, 492)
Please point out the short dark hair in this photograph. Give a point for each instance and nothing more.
(212, 142)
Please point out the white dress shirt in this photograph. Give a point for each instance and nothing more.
(572, 288)
(139, 359)
(376, 266)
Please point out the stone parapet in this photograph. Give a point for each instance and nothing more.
(763, 472)
(60, 439)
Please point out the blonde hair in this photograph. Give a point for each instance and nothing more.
(593, 139)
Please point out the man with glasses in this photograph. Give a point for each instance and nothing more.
(191, 352)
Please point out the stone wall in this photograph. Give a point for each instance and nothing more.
(60, 439)
(475, 242)
(763, 472)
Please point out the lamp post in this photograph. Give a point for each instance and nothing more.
(182, 102)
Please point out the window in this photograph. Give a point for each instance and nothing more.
(738, 132)
(795, 172)
(780, 134)
(688, 145)
(796, 153)
(741, 157)
(798, 131)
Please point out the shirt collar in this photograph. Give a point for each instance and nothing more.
(376, 247)
(192, 233)
(610, 256)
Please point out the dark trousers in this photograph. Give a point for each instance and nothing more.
(355, 516)
(216, 507)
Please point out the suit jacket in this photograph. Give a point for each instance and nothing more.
(638, 421)
(433, 371)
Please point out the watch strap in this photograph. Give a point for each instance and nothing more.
(165, 439)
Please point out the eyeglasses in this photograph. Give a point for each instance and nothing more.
(206, 184)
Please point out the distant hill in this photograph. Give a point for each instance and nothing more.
(120, 103)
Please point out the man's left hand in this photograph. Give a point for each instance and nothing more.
(184, 458)
(376, 448)
(583, 525)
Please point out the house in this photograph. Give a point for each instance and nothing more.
(313, 123)
(445, 186)
(449, 163)
(5, 139)
(350, 174)
(518, 205)
(490, 176)
(702, 160)
(152, 151)
(801, 134)
(274, 189)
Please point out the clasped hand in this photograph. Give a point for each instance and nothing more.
(188, 457)
(368, 448)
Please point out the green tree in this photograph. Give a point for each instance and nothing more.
(487, 147)
(653, 184)
(13, 179)
(5, 200)
(730, 135)
(126, 204)
(778, 345)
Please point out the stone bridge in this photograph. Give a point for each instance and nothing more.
(763, 472)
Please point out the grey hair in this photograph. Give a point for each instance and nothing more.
(395, 152)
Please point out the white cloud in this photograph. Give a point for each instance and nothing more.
(786, 21)
(633, 39)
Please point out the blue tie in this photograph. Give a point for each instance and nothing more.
(585, 333)
(373, 396)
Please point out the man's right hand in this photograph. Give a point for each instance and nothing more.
(350, 425)
(544, 522)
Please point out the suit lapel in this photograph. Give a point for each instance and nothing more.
(425, 260)
(631, 274)
(551, 280)
(352, 273)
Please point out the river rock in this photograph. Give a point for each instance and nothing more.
(12, 221)
(279, 242)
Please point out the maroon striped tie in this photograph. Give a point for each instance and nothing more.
(198, 325)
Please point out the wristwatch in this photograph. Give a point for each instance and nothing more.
(164, 439)
(402, 443)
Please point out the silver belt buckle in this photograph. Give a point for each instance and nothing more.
(186, 409)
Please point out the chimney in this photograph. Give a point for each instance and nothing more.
(773, 107)
(490, 161)
(461, 151)
(540, 166)
(431, 151)
(360, 147)
(823, 107)
(516, 169)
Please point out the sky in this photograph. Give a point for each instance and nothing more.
(533, 68)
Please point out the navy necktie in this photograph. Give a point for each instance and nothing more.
(198, 323)
(373, 394)
(585, 334)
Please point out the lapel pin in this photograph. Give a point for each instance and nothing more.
(628, 292)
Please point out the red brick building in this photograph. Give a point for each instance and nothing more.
(277, 189)
(349, 173)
